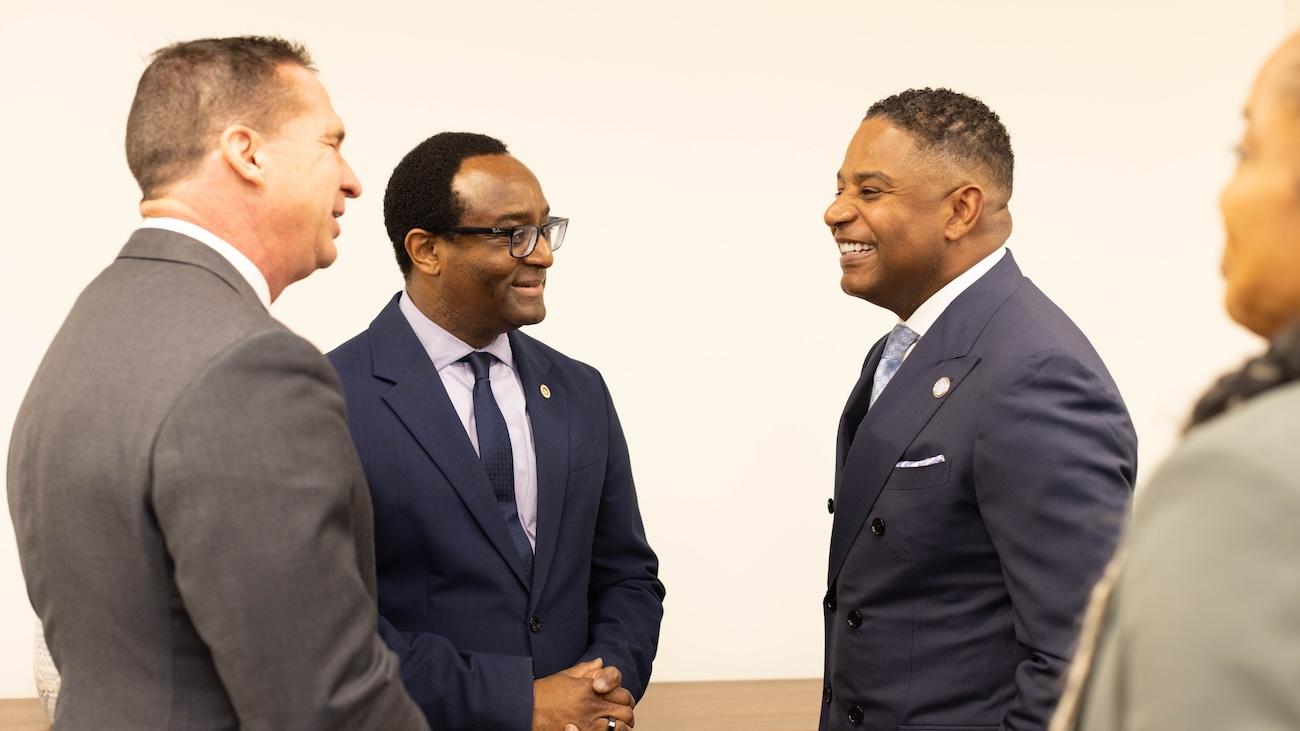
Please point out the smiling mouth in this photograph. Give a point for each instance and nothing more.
(854, 247)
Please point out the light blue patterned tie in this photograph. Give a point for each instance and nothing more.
(896, 345)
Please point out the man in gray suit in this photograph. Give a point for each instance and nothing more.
(192, 518)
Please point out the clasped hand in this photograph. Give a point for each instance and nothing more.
(582, 698)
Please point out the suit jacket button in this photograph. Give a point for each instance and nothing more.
(855, 619)
(878, 527)
(855, 715)
(826, 693)
(829, 602)
(830, 505)
(535, 623)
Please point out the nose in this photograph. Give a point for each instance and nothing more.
(541, 255)
(838, 212)
(350, 185)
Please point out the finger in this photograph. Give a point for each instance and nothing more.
(571, 727)
(602, 724)
(584, 669)
(607, 679)
(621, 696)
(616, 711)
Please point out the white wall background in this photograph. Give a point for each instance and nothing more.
(694, 145)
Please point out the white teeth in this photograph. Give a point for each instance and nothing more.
(853, 247)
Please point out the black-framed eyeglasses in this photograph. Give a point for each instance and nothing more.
(523, 239)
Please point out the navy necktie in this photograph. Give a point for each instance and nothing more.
(495, 453)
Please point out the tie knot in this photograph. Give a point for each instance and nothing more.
(480, 362)
(896, 345)
(900, 338)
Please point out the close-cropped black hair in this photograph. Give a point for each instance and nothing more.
(953, 124)
(419, 192)
(1278, 366)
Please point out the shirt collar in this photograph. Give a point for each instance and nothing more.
(930, 310)
(443, 347)
(242, 264)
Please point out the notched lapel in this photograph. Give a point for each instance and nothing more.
(901, 412)
(856, 407)
(908, 403)
(420, 401)
(549, 418)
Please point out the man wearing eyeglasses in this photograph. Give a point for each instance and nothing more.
(515, 580)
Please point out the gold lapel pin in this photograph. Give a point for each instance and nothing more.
(546, 391)
(941, 387)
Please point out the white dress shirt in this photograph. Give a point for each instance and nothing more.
(242, 264)
(930, 310)
(446, 350)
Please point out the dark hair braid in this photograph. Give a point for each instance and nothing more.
(1278, 366)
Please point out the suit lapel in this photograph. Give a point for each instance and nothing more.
(908, 403)
(549, 417)
(900, 413)
(857, 404)
(420, 401)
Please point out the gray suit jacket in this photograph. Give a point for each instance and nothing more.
(192, 519)
(1200, 629)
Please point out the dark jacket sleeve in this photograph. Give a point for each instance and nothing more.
(459, 689)
(1055, 461)
(625, 594)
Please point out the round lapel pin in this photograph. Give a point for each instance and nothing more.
(941, 387)
(546, 391)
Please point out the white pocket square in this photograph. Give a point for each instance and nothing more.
(936, 459)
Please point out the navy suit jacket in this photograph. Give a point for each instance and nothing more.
(955, 589)
(453, 600)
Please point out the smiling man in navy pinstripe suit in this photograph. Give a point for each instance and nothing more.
(985, 458)
(515, 580)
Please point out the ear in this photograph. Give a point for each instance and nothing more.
(239, 147)
(425, 254)
(967, 207)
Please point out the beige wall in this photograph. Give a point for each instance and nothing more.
(694, 146)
